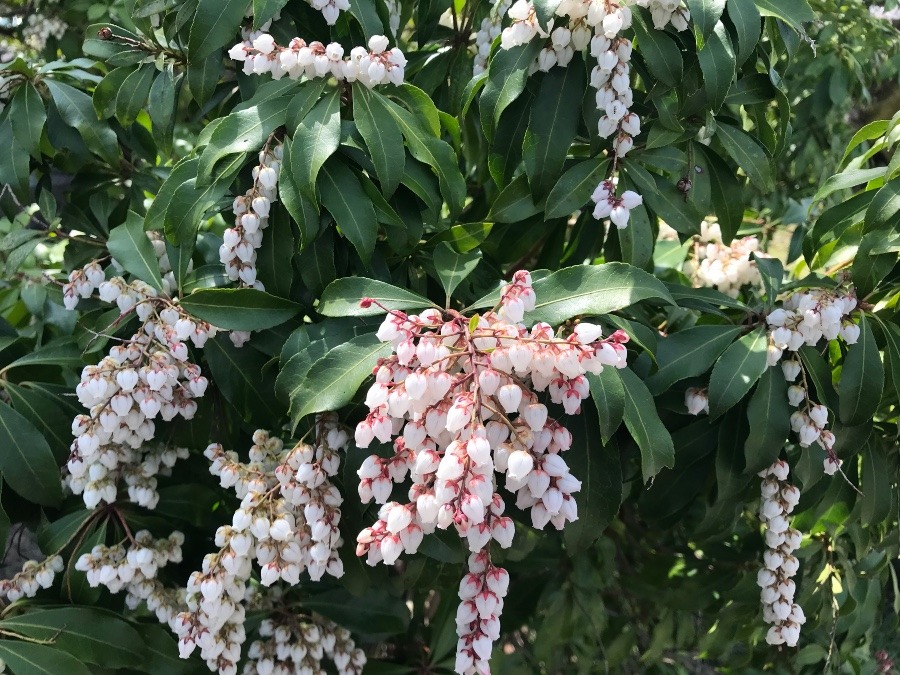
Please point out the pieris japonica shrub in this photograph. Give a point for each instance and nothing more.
(404, 337)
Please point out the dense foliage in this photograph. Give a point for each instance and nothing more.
(577, 321)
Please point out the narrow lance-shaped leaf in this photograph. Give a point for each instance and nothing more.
(343, 296)
(452, 267)
(862, 378)
(26, 461)
(239, 308)
(128, 243)
(770, 420)
(748, 153)
(333, 380)
(644, 425)
(382, 136)
(736, 371)
(688, 353)
(315, 140)
(348, 204)
(216, 23)
(608, 393)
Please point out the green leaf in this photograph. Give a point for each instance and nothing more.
(846, 180)
(318, 135)
(77, 110)
(514, 203)
(718, 63)
(660, 52)
(365, 12)
(608, 393)
(770, 420)
(819, 372)
(265, 10)
(554, 120)
(452, 267)
(794, 13)
(736, 371)
(644, 425)
(239, 308)
(574, 188)
(190, 201)
(91, 635)
(590, 290)
(884, 209)
(239, 373)
(304, 211)
(241, 132)
(705, 14)
(161, 107)
(668, 202)
(350, 207)
(26, 658)
(26, 460)
(862, 378)
(15, 168)
(747, 153)
(203, 75)
(382, 136)
(435, 153)
(689, 353)
(28, 116)
(869, 132)
(333, 380)
(877, 473)
(746, 20)
(599, 468)
(507, 74)
(60, 353)
(43, 410)
(160, 653)
(216, 24)
(129, 245)
(376, 612)
(772, 272)
(55, 536)
(132, 96)
(342, 298)
(727, 193)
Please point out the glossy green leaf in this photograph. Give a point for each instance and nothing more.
(862, 378)
(382, 136)
(239, 308)
(216, 24)
(574, 188)
(718, 63)
(644, 425)
(660, 52)
(27, 658)
(351, 209)
(507, 75)
(333, 380)
(27, 115)
(77, 110)
(132, 96)
(318, 135)
(746, 20)
(736, 371)
(342, 298)
(26, 461)
(608, 393)
(689, 353)
(129, 245)
(161, 107)
(747, 153)
(770, 420)
(453, 267)
(794, 13)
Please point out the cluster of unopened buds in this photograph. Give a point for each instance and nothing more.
(147, 376)
(251, 217)
(487, 33)
(34, 576)
(298, 644)
(617, 209)
(726, 268)
(665, 12)
(805, 319)
(779, 563)
(460, 395)
(134, 570)
(378, 65)
(287, 521)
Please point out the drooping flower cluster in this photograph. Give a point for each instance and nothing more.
(146, 376)
(460, 394)
(665, 12)
(134, 570)
(805, 319)
(487, 33)
(288, 522)
(379, 65)
(251, 217)
(297, 645)
(617, 209)
(726, 268)
(779, 563)
(696, 400)
(34, 576)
